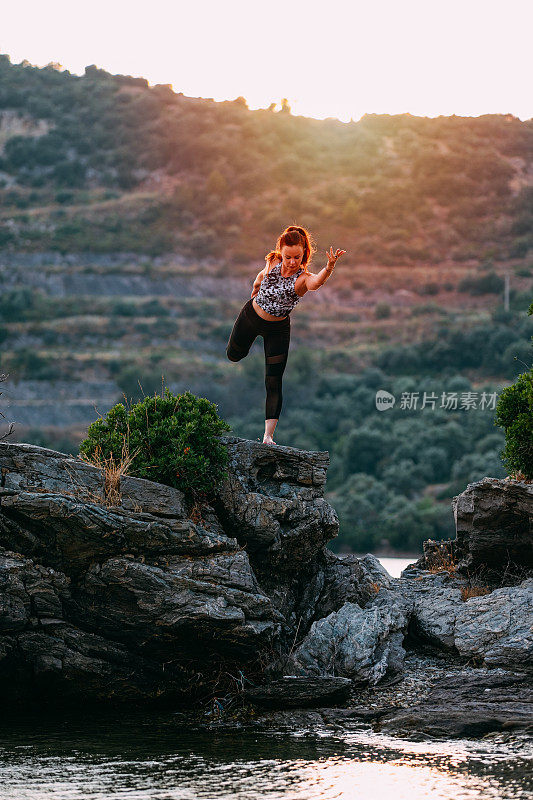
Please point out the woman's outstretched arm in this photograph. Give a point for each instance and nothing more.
(314, 282)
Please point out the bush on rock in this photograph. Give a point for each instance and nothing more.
(514, 413)
(172, 439)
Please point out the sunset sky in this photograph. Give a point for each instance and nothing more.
(330, 59)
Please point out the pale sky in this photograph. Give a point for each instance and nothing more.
(333, 58)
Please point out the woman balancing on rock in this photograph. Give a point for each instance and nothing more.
(276, 290)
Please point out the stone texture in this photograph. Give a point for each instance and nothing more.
(69, 534)
(364, 644)
(495, 628)
(30, 467)
(138, 601)
(498, 627)
(494, 529)
(273, 502)
(294, 692)
(494, 534)
(470, 704)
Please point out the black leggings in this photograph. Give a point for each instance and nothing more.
(276, 337)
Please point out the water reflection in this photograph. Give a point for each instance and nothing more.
(142, 756)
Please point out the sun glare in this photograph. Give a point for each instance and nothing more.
(329, 60)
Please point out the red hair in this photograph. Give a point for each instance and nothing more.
(293, 235)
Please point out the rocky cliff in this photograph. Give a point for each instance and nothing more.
(138, 600)
(143, 600)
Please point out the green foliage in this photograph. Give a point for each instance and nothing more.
(15, 303)
(488, 283)
(382, 311)
(137, 381)
(514, 413)
(175, 438)
(373, 515)
(491, 349)
(53, 439)
(26, 363)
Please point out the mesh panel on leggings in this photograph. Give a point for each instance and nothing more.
(274, 368)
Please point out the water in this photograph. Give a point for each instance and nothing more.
(395, 565)
(145, 756)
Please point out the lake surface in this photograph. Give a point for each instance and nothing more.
(146, 756)
(395, 565)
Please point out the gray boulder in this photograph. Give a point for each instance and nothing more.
(494, 534)
(494, 526)
(364, 644)
(273, 503)
(138, 600)
(498, 627)
(435, 602)
(495, 628)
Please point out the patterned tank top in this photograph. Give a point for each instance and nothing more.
(276, 294)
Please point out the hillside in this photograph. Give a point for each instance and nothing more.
(106, 163)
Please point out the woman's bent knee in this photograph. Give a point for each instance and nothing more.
(234, 355)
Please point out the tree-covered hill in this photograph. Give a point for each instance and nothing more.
(107, 163)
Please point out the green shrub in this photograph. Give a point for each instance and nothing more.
(382, 311)
(514, 413)
(173, 437)
(429, 288)
(488, 283)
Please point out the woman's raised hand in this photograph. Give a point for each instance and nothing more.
(333, 256)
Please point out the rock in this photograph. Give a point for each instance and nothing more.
(374, 572)
(29, 593)
(494, 529)
(137, 601)
(435, 601)
(494, 534)
(294, 692)
(170, 602)
(67, 534)
(470, 704)
(364, 644)
(340, 580)
(42, 656)
(498, 627)
(438, 556)
(29, 467)
(273, 503)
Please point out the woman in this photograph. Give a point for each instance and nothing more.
(276, 290)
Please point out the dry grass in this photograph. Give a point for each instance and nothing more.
(519, 476)
(473, 591)
(442, 561)
(196, 514)
(376, 587)
(112, 471)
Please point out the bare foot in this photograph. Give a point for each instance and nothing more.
(268, 440)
